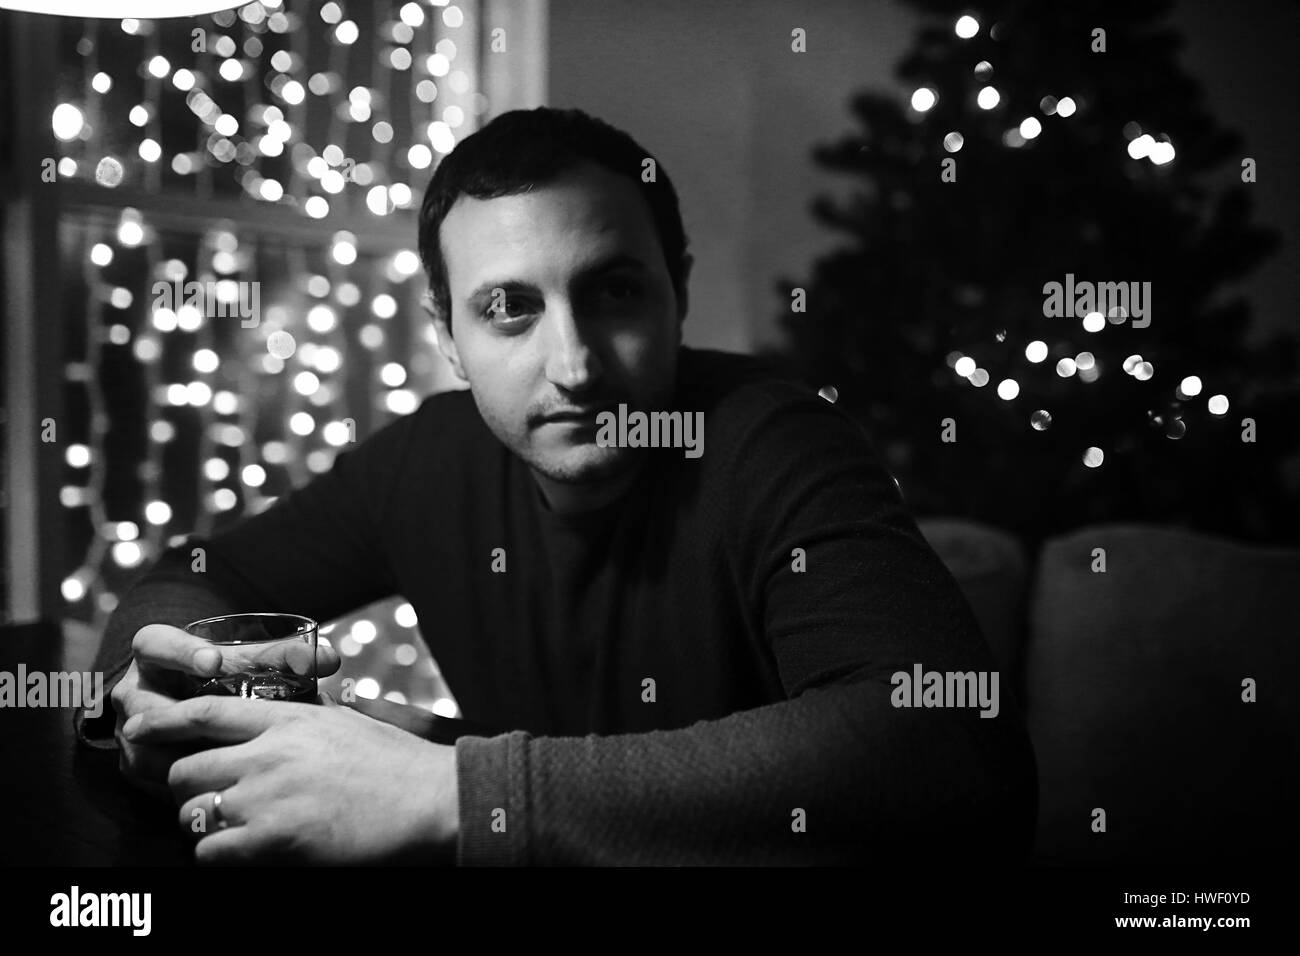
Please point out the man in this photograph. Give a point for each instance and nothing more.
(692, 648)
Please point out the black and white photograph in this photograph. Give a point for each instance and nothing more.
(658, 435)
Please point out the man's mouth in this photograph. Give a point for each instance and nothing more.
(582, 415)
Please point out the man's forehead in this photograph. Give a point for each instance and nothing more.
(592, 215)
(587, 192)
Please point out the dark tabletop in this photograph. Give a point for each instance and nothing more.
(65, 804)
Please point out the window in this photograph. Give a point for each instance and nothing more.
(210, 277)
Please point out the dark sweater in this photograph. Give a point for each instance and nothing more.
(771, 737)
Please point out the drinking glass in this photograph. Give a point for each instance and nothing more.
(263, 655)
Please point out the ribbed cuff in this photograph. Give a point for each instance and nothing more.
(492, 784)
(99, 732)
(96, 732)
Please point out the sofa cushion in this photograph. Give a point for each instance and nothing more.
(991, 568)
(1134, 697)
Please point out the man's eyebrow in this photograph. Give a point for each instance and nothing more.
(611, 263)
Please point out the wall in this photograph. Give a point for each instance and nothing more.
(715, 92)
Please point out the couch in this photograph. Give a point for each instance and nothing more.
(1132, 682)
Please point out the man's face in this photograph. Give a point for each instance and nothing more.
(586, 317)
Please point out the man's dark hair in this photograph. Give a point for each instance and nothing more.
(522, 149)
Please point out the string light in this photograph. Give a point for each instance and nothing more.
(109, 172)
(67, 122)
(1140, 147)
(441, 137)
(130, 232)
(263, 147)
(392, 375)
(404, 615)
(401, 401)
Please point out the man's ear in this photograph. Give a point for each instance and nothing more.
(447, 345)
(683, 294)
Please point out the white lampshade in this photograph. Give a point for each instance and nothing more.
(121, 9)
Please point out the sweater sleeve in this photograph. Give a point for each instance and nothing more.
(834, 774)
(319, 551)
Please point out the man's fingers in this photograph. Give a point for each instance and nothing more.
(235, 846)
(149, 767)
(216, 769)
(216, 719)
(290, 657)
(293, 658)
(326, 699)
(141, 698)
(163, 647)
(327, 660)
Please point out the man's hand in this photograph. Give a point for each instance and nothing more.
(167, 665)
(305, 784)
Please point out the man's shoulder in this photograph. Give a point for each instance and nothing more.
(444, 422)
(450, 422)
(454, 405)
(741, 394)
(710, 380)
(757, 414)
(438, 409)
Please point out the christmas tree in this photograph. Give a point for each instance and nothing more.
(1031, 318)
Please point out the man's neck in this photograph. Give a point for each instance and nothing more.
(568, 498)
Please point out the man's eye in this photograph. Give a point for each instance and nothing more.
(621, 289)
(510, 309)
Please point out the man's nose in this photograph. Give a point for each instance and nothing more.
(571, 363)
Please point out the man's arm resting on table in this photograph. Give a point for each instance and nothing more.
(868, 778)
